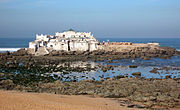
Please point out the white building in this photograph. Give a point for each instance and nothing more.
(67, 41)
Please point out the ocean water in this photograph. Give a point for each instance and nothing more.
(13, 44)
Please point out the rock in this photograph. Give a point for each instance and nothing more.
(130, 105)
(1, 75)
(104, 70)
(139, 106)
(7, 53)
(7, 84)
(110, 79)
(165, 57)
(150, 92)
(107, 78)
(119, 77)
(133, 66)
(154, 70)
(20, 52)
(146, 58)
(109, 61)
(148, 104)
(168, 77)
(101, 79)
(136, 74)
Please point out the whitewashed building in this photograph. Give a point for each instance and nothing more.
(67, 41)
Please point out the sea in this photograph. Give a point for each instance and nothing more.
(13, 44)
(121, 66)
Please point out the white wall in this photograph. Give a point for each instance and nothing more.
(31, 45)
(93, 46)
(42, 37)
(60, 44)
(78, 46)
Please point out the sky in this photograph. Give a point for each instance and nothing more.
(104, 18)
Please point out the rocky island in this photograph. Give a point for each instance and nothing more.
(83, 42)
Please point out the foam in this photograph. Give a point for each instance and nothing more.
(9, 49)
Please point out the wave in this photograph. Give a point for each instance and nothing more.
(9, 49)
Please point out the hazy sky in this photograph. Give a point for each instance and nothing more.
(104, 18)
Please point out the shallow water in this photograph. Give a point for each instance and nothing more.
(165, 67)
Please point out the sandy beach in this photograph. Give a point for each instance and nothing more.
(13, 100)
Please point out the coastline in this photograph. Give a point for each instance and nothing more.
(17, 42)
(16, 49)
(90, 55)
(30, 73)
(126, 92)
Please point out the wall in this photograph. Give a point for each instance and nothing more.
(78, 46)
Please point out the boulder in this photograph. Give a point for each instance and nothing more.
(168, 77)
(154, 70)
(136, 74)
(133, 66)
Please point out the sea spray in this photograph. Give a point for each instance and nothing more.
(9, 49)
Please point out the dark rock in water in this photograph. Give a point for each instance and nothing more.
(165, 57)
(136, 74)
(177, 52)
(154, 70)
(146, 58)
(109, 61)
(120, 76)
(133, 66)
(168, 77)
(104, 69)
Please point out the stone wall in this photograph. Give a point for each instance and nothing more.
(120, 43)
(125, 47)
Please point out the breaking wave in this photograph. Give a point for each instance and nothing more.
(9, 49)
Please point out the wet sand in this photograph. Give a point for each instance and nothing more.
(13, 100)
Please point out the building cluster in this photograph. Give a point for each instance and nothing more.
(67, 41)
(78, 41)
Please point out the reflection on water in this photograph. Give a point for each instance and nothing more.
(81, 64)
(165, 67)
(155, 62)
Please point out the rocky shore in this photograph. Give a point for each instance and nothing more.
(150, 93)
(23, 62)
(22, 57)
(25, 72)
